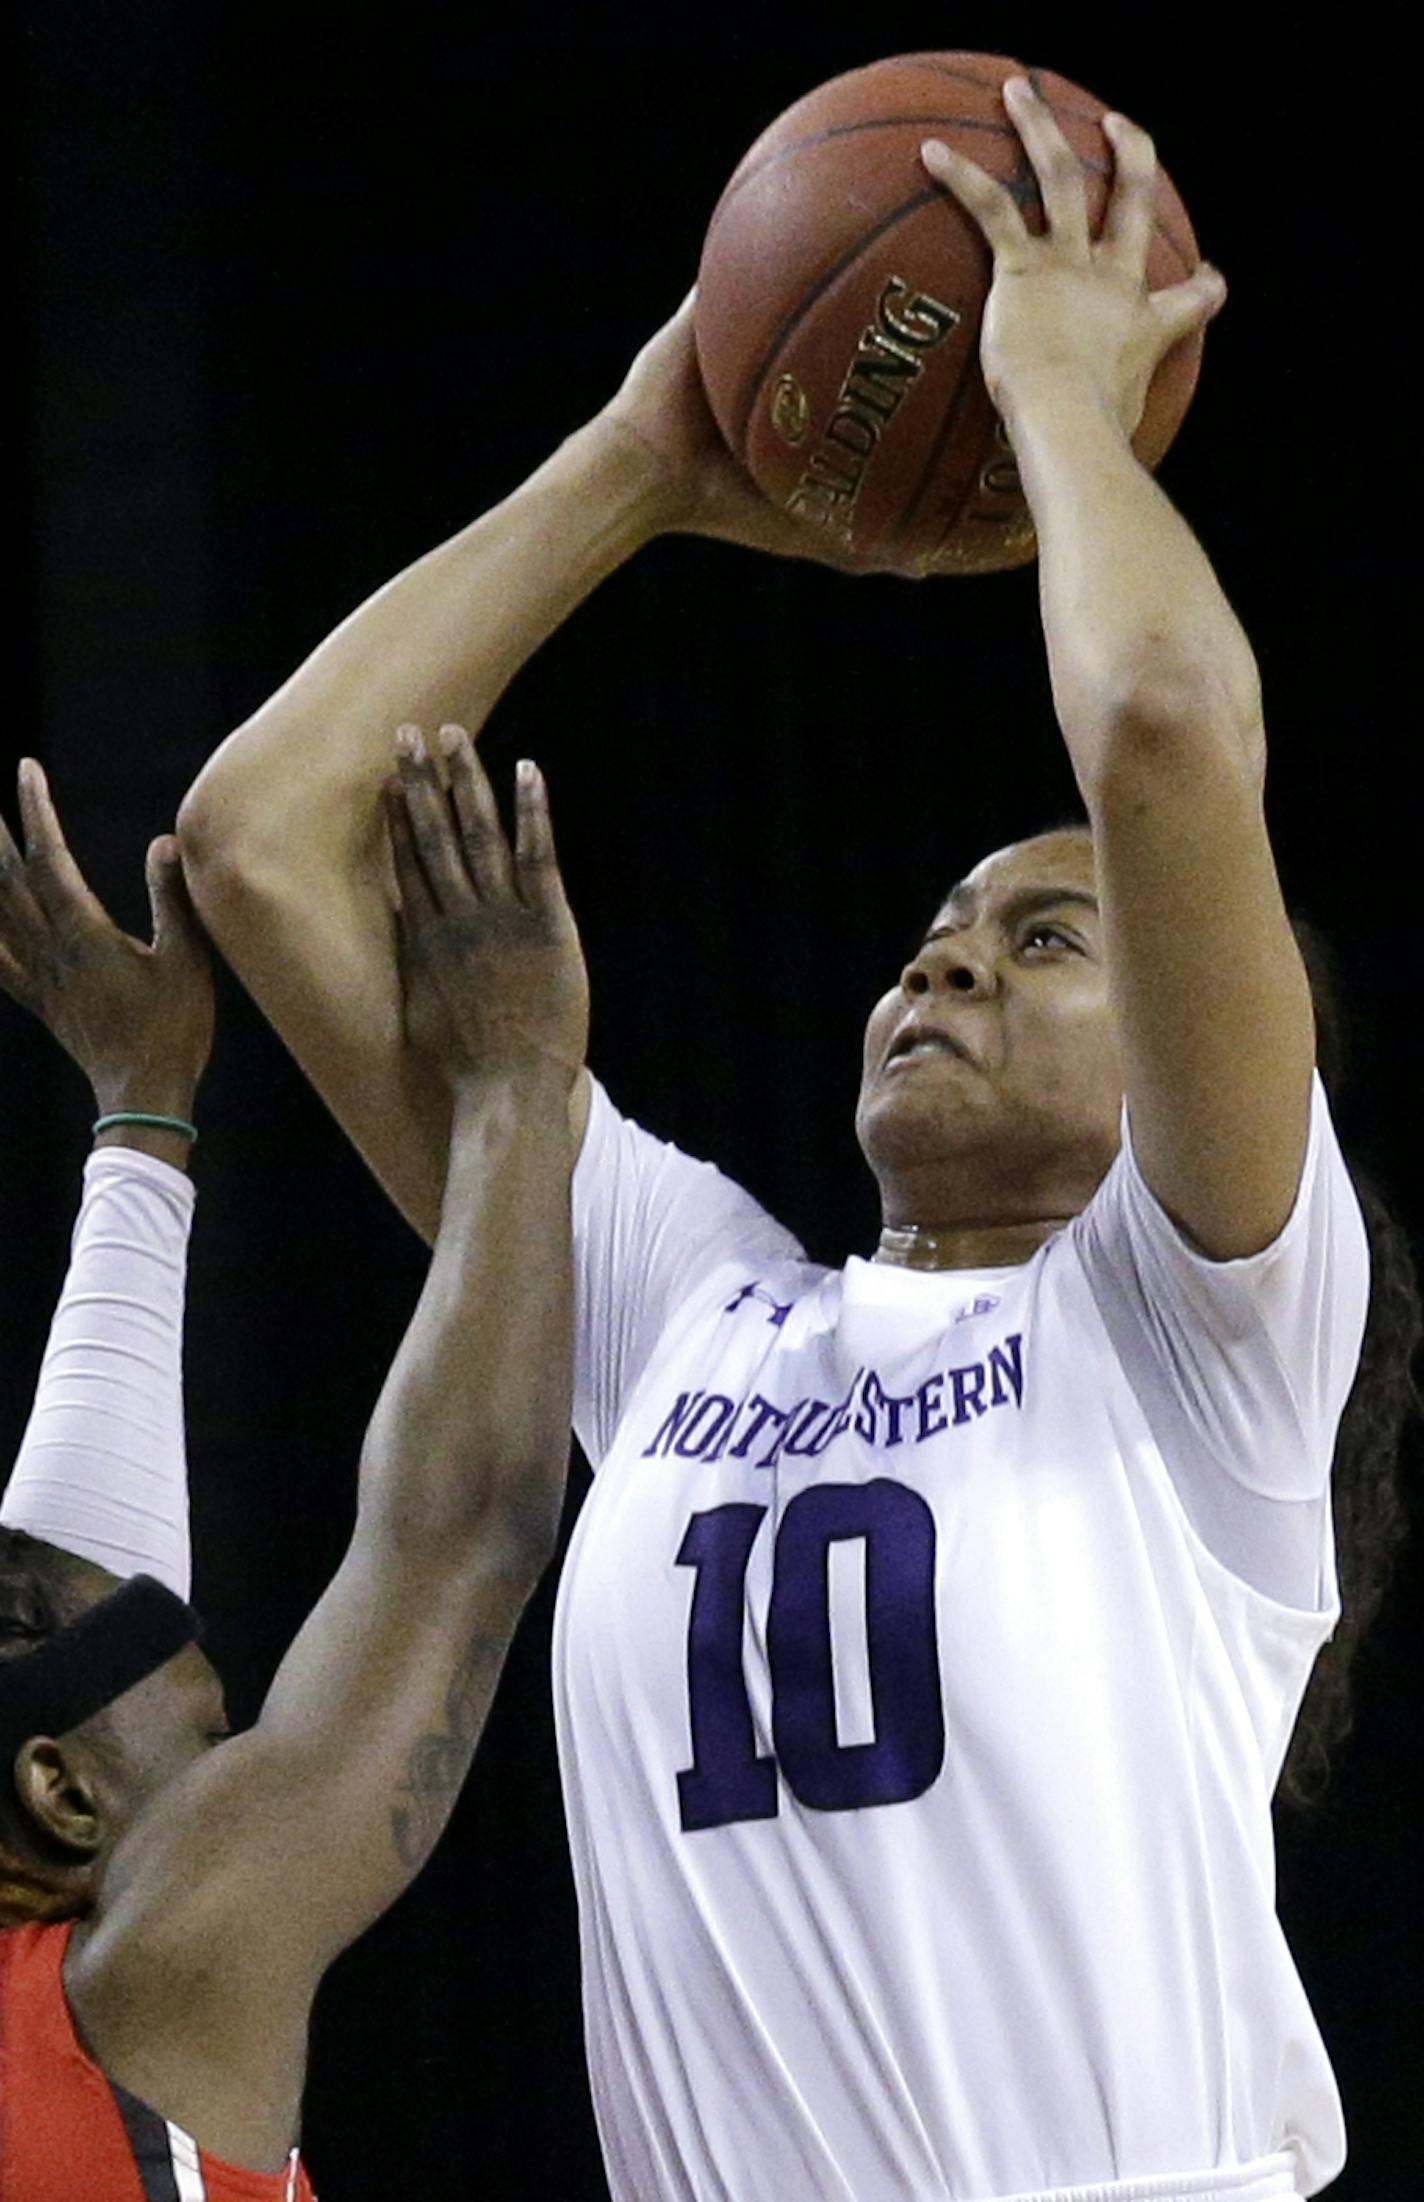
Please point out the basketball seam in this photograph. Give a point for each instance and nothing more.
(995, 84)
(851, 129)
(934, 67)
(940, 122)
(962, 122)
(789, 327)
(833, 131)
(1061, 106)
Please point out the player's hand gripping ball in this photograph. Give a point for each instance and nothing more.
(840, 300)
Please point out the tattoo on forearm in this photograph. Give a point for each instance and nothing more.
(440, 1759)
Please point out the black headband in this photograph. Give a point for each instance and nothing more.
(84, 1667)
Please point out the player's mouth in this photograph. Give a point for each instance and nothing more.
(925, 1043)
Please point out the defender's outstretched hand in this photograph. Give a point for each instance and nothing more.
(1061, 303)
(491, 967)
(137, 1018)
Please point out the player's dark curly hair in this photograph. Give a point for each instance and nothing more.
(1371, 1519)
(41, 1591)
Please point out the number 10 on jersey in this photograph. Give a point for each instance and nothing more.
(727, 1779)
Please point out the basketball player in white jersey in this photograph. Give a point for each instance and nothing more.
(934, 1631)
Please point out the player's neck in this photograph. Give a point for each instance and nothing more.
(964, 1245)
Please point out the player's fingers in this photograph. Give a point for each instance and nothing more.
(20, 917)
(1132, 206)
(415, 902)
(1188, 306)
(177, 931)
(406, 953)
(431, 821)
(13, 979)
(55, 879)
(982, 197)
(541, 883)
(1054, 163)
(481, 832)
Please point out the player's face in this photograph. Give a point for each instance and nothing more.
(156, 1730)
(991, 1085)
(150, 1735)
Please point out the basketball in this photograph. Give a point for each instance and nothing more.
(839, 302)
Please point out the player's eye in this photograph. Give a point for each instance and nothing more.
(1049, 936)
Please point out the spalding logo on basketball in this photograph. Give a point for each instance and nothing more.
(839, 302)
(790, 414)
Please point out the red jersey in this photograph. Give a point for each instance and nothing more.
(66, 2131)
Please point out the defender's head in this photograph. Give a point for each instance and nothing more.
(104, 1699)
(991, 1088)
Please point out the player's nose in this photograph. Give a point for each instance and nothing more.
(961, 965)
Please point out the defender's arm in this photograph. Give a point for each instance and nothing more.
(222, 1907)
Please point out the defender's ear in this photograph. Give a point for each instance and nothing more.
(57, 1796)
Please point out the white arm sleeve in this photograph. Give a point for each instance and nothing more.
(1242, 1368)
(649, 1225)
(102, 1469)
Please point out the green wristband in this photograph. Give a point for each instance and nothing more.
(148, 1123)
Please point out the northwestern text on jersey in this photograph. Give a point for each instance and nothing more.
(710, 1426)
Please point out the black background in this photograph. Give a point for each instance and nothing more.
(291, 303)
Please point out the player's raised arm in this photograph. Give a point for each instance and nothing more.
(102, 1471)
(278, 1850)
(1156, 691)
(281, 833)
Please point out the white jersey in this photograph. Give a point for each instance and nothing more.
(925, 1659)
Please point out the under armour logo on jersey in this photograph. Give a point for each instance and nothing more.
(779, 1310)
